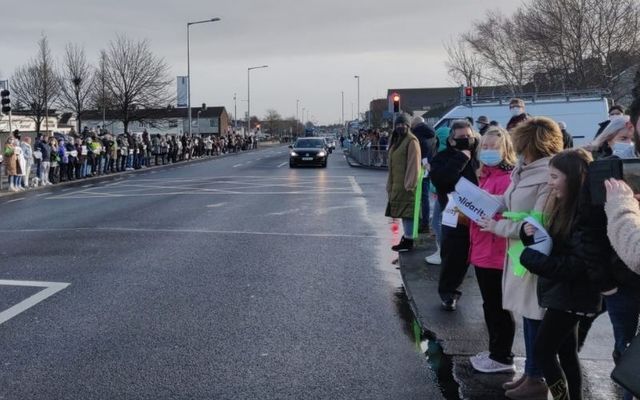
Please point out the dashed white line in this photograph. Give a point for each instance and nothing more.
(282, 165)
(237, 165)
(14, 200)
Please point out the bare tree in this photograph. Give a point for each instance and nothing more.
(135, 78)
(76, 82)
(273, 122)
(37, 85)
(464, 66)
(498, 41)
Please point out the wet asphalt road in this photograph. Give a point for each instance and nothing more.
(235, 278)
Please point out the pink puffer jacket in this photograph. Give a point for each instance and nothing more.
(487, 249)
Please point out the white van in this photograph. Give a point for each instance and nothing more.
(581, 114)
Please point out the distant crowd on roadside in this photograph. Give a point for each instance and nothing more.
(59, 158)
(552, 255)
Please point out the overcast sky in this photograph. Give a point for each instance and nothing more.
(313, 47)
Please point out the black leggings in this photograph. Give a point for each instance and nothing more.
(558, 338)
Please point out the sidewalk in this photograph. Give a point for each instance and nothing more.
(119, 175)
(462, 333)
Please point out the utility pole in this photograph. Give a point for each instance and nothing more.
(235, 112)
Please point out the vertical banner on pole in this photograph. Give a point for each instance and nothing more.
(418, 204)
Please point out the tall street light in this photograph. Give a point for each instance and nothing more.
(189, 65)
(297, 110)
(249, 95)
(358, 109)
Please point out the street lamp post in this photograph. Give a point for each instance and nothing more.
(297, 115)
(189, 65)
(358, 109)
(249, 95)
(235, 113)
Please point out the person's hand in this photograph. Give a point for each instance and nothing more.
(487, 224)
(616, 188)
(467, 153)
(529, 229)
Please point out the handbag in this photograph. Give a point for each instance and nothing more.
(627, 371)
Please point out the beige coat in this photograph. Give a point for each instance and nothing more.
(623, 229)
(528, 192)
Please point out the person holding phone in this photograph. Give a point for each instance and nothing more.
(572, 278)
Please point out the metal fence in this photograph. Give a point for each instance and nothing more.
(367, 155)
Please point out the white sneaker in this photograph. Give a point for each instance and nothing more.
(481, 355)
(489, 366)
(434, 258)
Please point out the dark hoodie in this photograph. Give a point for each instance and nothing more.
(448, 167)
(427, 138)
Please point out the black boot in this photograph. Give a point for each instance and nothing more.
(404, 245)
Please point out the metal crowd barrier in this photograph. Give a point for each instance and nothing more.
(368, 155)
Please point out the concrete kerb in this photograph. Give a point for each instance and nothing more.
(462, 333)
(121, 175)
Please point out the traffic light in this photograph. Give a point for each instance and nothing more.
(396, 103)
(5, 101)
(468, 94)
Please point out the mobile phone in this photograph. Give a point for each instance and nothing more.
(600, 171)
(631, 174)
(627, 170)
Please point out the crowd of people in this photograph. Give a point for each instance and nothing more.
(545, 187)
(59, 158)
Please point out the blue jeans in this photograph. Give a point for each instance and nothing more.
(436, 222)
(407, 226)
(531, 365)
(424, 221)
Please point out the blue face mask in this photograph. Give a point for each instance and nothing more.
(490, 157)
(624, 150)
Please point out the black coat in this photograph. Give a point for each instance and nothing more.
(601, 127)
(514, 121)
(446, 169)
(578, 269)
(427, 139)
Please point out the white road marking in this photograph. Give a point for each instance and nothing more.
(216, 205)
(14, 200)
(237, 165)
(354, 184)
(182, 231)
(282, 165)
(51, 288)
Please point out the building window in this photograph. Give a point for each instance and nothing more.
(173, 123)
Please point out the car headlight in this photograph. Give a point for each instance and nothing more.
(321, 154)
(294, 154)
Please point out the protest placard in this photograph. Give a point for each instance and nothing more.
(474, 202)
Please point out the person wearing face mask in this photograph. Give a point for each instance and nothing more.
(456, 161)
(615, 140)
(404, 167)
(487, 255)
(483, 125)
(518, 114)
(428, 148)
(615, 111)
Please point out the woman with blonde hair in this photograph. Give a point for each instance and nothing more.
(497, 160)
(535, 141)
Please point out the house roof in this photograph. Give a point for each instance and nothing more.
(159, 113)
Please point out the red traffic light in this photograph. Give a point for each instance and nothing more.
(468, 91)
(396, 98)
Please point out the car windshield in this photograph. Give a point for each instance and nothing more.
(309, 143)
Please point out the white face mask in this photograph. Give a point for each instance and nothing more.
(614, 117)
(624, 150)
(515, 111)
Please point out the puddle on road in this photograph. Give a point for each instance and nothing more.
(427, 344)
